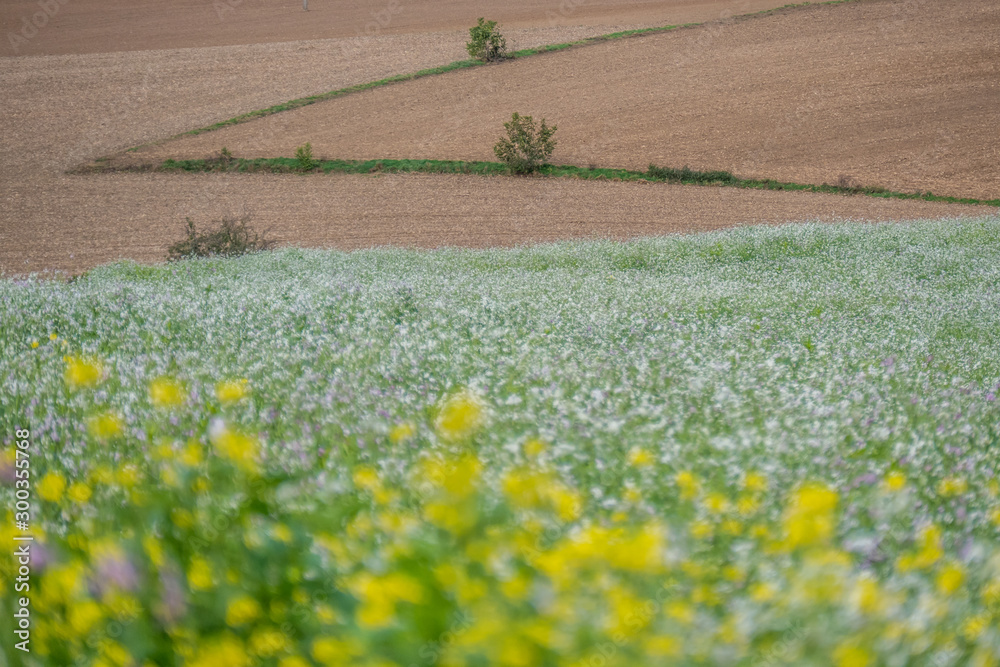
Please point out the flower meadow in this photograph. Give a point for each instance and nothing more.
(763, 446)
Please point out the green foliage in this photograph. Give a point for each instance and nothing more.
(688, 175)
(525, 149)
(304, 155)
(487, 43)
(232, 238)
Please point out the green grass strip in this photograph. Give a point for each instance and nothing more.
(457, 65)
(654, 174)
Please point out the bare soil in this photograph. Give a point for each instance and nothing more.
(100, 26)
(84, 221)
(899, 94)
(64, 110)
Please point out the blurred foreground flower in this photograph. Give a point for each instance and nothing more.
(166, 392)
(809, 516)
(82, 372)
(105, 425)
(51, 487)
(462, 414)
(241, 449)
(231, 391)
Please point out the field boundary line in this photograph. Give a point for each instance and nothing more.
(459, 65)
(654, 174)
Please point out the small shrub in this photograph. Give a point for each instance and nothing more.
(233, 237)
(304, 154)
(487, 43)
(225, 158)
(525, 149)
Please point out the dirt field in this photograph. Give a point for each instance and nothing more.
(101, 26)
(906, 101)
(60, 111)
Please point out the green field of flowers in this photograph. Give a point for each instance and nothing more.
(766, 446)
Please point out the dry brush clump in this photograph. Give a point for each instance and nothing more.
(233, 237)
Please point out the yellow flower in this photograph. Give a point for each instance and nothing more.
(847, 655)
(127, 476)
(82, 372)
(534, 448)
(894, 481)
(458, 478)
(688, 483)
(83, 616)
(79, 493)
(294, 661)
(762, 592)
(200, 576)
(680, 611)
(226, 650)
(701, 529)
(231, 391)
(950, 578)
(868, 597)
(952, 486)
(460, 416)
(241, 449)
(191, 454)
(181, 518)
(332, 652)
(242, 610)
(266, 642)
(166, 392)
(755, 481)
(366, 477)
(51, 487)
(747, 505)
(34, 343)
(113, 654)
(663, 646)
(282, 533)
(402, 432)
(153, 549)
(974, 626)
(105, 426)
(809, 517)
(716, 503)
(102, 474)
(640, 458)
(930, 547)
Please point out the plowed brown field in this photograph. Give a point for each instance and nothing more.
(100, 26)
(878, 92)
(60, 111)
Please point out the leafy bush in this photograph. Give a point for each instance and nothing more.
(233, 237)
(487, 43)
(525, 149)
(304, 154)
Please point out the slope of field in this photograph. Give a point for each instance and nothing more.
(762, 446)
(61, 111)
(895, 94)
(98, 219)
(98, 26)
